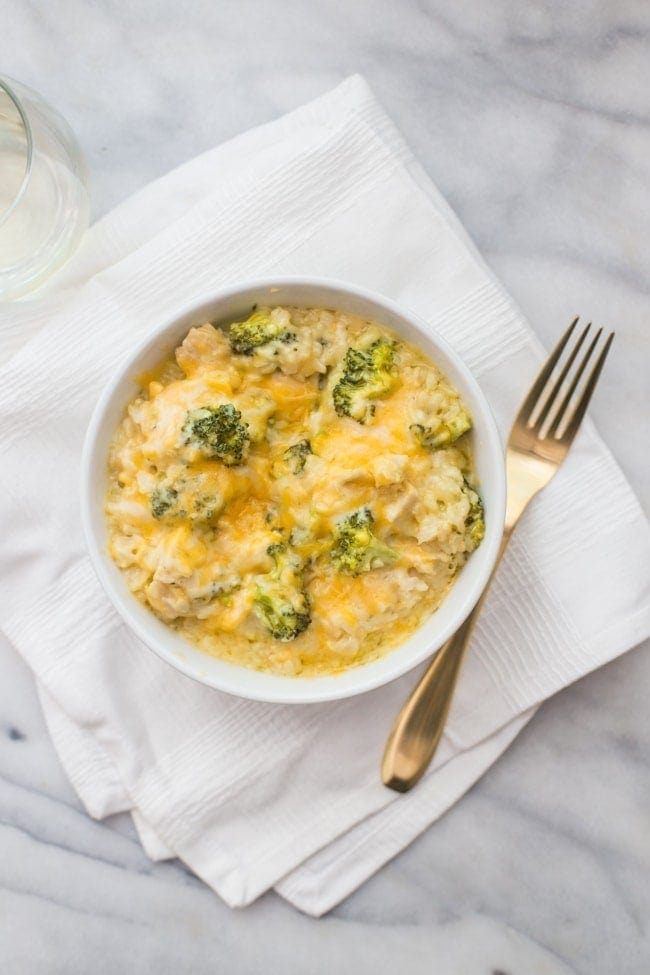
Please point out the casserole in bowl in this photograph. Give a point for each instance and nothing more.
(165, 401)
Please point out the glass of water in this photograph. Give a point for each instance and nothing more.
(44, 201)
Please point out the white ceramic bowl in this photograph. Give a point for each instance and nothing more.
(230, 304)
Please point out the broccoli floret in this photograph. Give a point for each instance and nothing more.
(162, 499)
(281, 600)
(444, 431)
(296, 456)
(368, 374)
(258, 329)
(356, 549)
(475, 520)
(206, 509)
(293, 459)
(182, 502)
(219, 433)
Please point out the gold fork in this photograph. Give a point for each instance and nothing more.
(540, 438)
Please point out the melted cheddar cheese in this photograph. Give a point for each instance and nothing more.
(232, 476)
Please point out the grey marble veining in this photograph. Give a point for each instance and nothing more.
(534, 121)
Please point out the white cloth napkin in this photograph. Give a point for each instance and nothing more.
(249, 795)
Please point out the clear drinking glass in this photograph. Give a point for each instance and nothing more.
(44, 201)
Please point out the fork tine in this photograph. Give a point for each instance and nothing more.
(537, 388)
(553, 395)
(581, 407)
(574, 385)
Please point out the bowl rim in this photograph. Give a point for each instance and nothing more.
(304, 690)
(9, 87)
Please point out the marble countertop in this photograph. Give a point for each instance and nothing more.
(534, 121)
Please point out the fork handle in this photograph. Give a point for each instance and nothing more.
(418, 727)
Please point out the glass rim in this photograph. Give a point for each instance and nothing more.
(7, 88)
